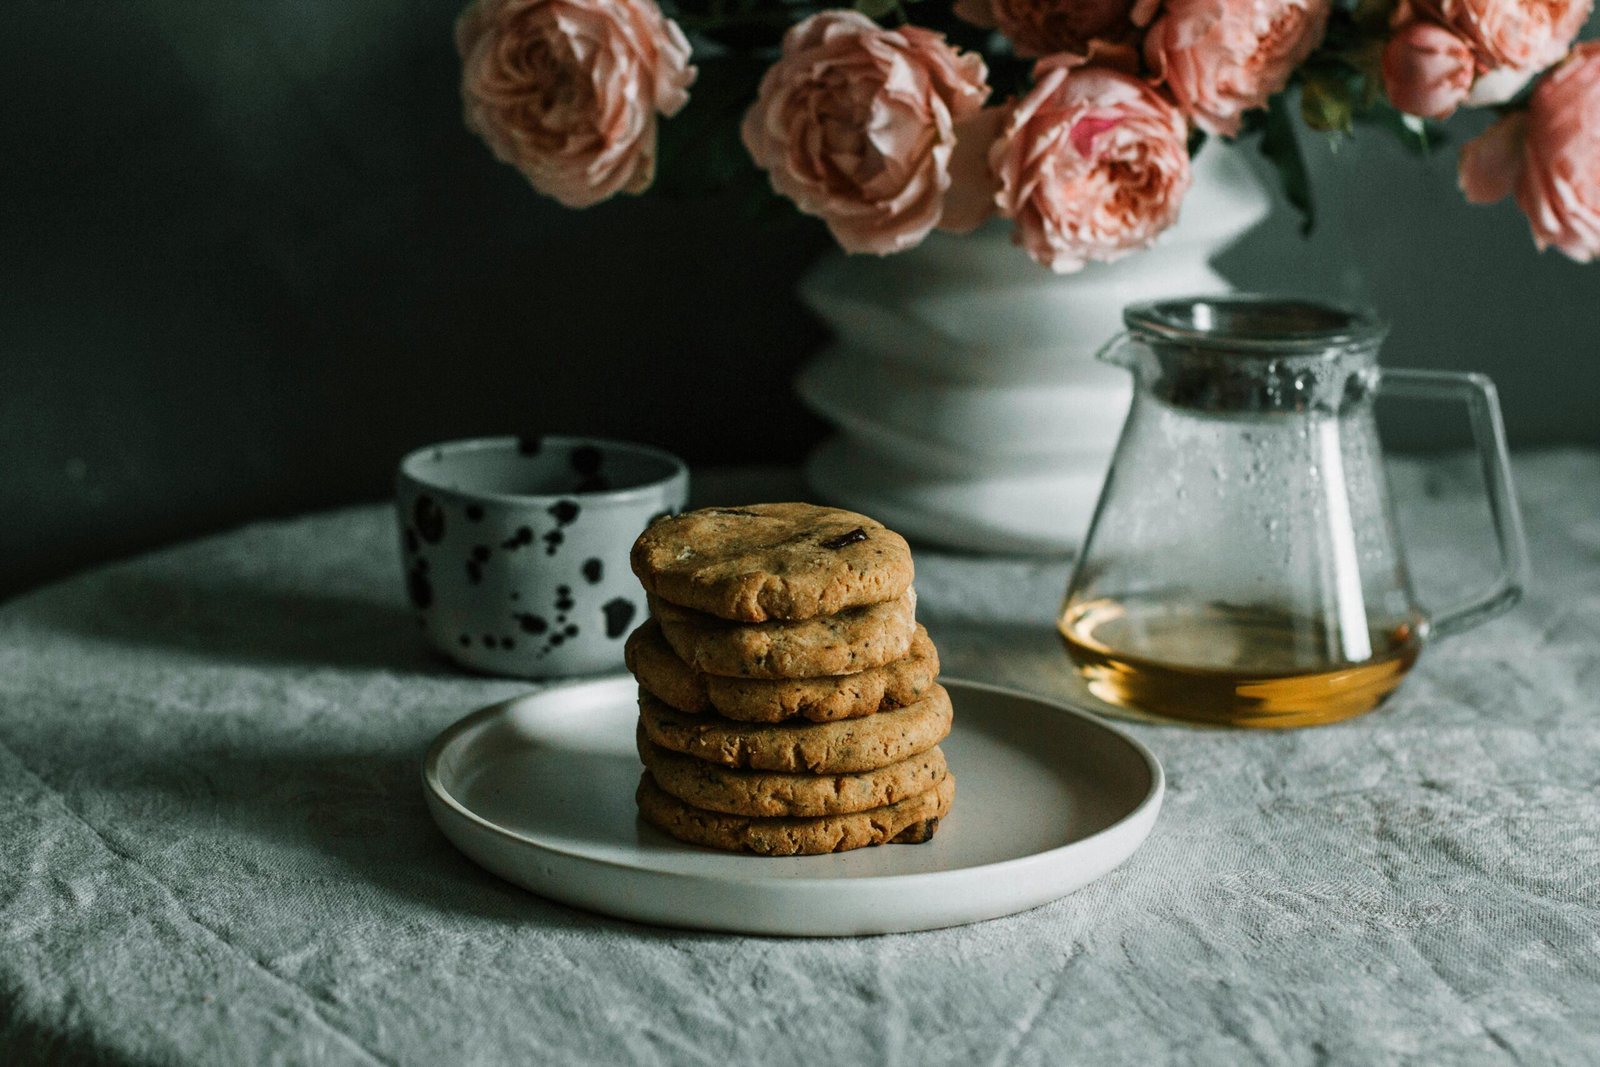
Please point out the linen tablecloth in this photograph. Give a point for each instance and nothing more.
(213, 845)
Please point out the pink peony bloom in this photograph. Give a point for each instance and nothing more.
(567, 91)
(858, 124)
(1092, 164)
(1549, 156)
(1427, 70)
(1559, 187)
(1046, 27)
(1220, 58)
(1511, 40)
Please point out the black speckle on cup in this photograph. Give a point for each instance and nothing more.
(619, 613)
(429, 519)
(419, 587)
(593, 571)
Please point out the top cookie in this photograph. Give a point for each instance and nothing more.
(772, 561)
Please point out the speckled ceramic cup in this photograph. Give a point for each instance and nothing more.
(516, 550)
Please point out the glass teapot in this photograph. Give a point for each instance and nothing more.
(1242, 566)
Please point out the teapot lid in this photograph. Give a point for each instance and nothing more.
(1255, 325)
(1247, 354)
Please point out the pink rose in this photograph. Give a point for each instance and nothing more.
(567, 91)
(1092, 164)
(1427, 70)
(1559, 188)
(857, 125)
(1045, 27)
(1551, 157)
(1512, 39)
(1220, 58)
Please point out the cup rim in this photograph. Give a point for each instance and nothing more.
(1329, 326)
(406, 472)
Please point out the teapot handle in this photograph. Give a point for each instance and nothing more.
(1489, 434)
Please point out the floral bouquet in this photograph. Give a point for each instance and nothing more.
(1074, 119)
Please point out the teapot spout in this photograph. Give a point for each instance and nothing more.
(1121, 351)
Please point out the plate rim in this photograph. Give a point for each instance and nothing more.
(1148, 807)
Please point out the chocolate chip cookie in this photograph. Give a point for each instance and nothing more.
(764, 793)
(894, 685)
(842, 747)
(846, 643)
(909, 821)
(772, 561)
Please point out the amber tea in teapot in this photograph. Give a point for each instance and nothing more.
(1226, 664)
(1242, 567)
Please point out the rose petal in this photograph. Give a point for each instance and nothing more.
(1489, 164)
(969, 203)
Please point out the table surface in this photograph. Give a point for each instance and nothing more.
(213, 845)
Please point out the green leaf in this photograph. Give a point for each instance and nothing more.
(698, 151)
(1325, 102)
(1282, 149)
(1418, 135)
(1373, 15)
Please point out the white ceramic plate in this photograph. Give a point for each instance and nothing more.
(539, 790)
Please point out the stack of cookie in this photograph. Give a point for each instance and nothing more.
(787, 702)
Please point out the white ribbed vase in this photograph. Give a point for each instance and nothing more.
(970, 410)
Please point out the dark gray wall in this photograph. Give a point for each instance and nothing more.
(248, 256)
